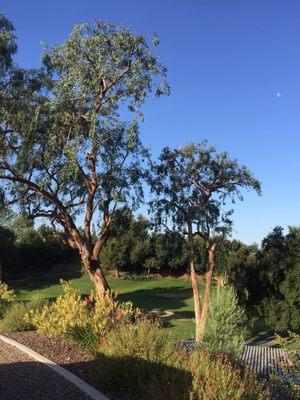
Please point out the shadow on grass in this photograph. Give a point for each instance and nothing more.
(160, 299)
(39, 283)
(164, 301)
(260, 334)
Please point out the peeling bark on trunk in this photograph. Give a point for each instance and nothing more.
(90, 259)
(195, 285)
(94, 270)
(99, 280)
(208, 285)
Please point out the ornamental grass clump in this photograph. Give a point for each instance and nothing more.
(14, 318)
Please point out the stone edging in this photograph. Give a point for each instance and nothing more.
(83, 386)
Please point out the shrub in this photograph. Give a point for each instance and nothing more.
(84, 320)
(289, 388)
(216, 378)
(84, 336)
(223, 332)
(14, 317)
(140, 360)
(67, 311)
(6, 296)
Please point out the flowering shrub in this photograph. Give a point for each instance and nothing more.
(71, 316)
(65, 312)
(108, 312)
(142, 361)
(289, 386)
(217, 378)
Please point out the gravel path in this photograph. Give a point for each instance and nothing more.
(22, 378)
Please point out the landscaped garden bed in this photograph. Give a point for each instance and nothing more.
(115, 348)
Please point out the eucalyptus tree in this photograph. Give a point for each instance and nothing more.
(69, 134)
(8, 46)
(192, 186)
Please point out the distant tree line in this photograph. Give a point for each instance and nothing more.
(268, 278)
(26, 251)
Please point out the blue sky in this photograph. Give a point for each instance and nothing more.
(234, 71)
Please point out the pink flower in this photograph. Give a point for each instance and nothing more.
(87, 300)
(119, 314)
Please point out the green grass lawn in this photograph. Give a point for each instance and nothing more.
(172, 296)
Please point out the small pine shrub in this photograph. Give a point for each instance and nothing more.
(223, 332)
(14, 318)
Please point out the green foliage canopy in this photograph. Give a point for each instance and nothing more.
(193, 183)
(69, 133)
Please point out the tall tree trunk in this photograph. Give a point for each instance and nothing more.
(95, 272)
(194, 279)
(208, 285)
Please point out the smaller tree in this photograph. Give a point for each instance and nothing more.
(191, 187)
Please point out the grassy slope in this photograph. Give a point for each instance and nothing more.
(166, 294)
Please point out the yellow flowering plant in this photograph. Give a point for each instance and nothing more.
(6, 295)
(73, 316)
(65, 312)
